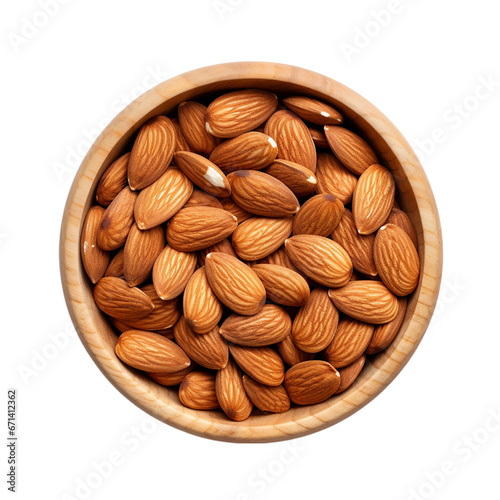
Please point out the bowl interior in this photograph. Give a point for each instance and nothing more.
(415, 198)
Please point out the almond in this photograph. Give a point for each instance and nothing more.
(205, 174)
(385, 334)
(209, 350)
(333, 178)
(373, 199)
(150, 352)
(258, 237)
(197, 391)
(314, 111)
(293, 139)
(265, 398)
(181, 144)
(172, 271)
(238, 112)
(141, 250)
(399, 218)
(240, 214)
(291, 354)
(115, 267)
(318, 215)
(151, 153)
(269, 326)
(262, 194)
(283, 286)
(263, 364)
(300, 180)
(170, 379)
(350, 373)
(234, 283)
(114, 297)
(368, 301)
(201, 199)
(358, 246)
(349, 343)
(195, 228)
(311, 382)
(318, 137)
(117, 220)
(202, 308)
(320, 258)
(396, 260)
(351, 150)
(95, 260)
(315, 324)
(163, 199)
(279, 258)
(223, 246)
(112, 181)
(192, 123)
(250, 151)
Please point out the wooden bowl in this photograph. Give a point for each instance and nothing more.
(415, 197)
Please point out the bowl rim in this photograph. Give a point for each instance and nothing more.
(96, 335)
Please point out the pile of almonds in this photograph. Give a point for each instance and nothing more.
(250, 252)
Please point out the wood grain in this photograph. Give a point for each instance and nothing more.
(415, 198)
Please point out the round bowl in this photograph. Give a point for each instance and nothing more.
(415, 197)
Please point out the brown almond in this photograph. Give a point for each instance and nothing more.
(313, 111)
(318, 137)
(192, 123)
(279, 258)
(181, 144)
(223, 246)
(151, 153)
(333, 178)
(115, 267)
(318, 215)
(350, 373)
(401, 219)
(300, 180)
(240, 214)
(95, 260)
(170, 379)
(266, 398)
(112, 181)
(202, 199)
(311, 382)
(291, 354)
(197, 391)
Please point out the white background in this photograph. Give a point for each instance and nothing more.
(62, 81)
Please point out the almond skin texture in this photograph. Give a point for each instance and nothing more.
(319, 258)
(223, 246)
(113, 180)
(235, 284)
(201, 199)
(95, 260)
(333, 178)
(205, 174)
(262, 194)
(318, 137)
(279, 258)
(316, 322)
(263, 364)
(197, 391)
(170, 379)
(192, 123)
(240, 214)
(349, 343)
(373, 199)
(163, 199)
(209, 350)
(358, 246)
(151, 153)
(114, 297)
(265, 398)
(269, 326)
(300, 180)
(318, 215)
(396, 260)
(181, 144)
(117, 221)
(250, 151)
(351, 150)
(311, 382)
(231, 394)
(399, 218)
(283, 286)
(259, 237)
(350, 373)
(385, 334)
(367, 301)
(313, 111)
(115, 268)
(291, 354)
(195, 228)
(238, 112)
(293, 139)
(150, 352)
(172, 271)
(141, 250)
(202, 308)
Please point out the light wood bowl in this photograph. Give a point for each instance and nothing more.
(415, 197)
